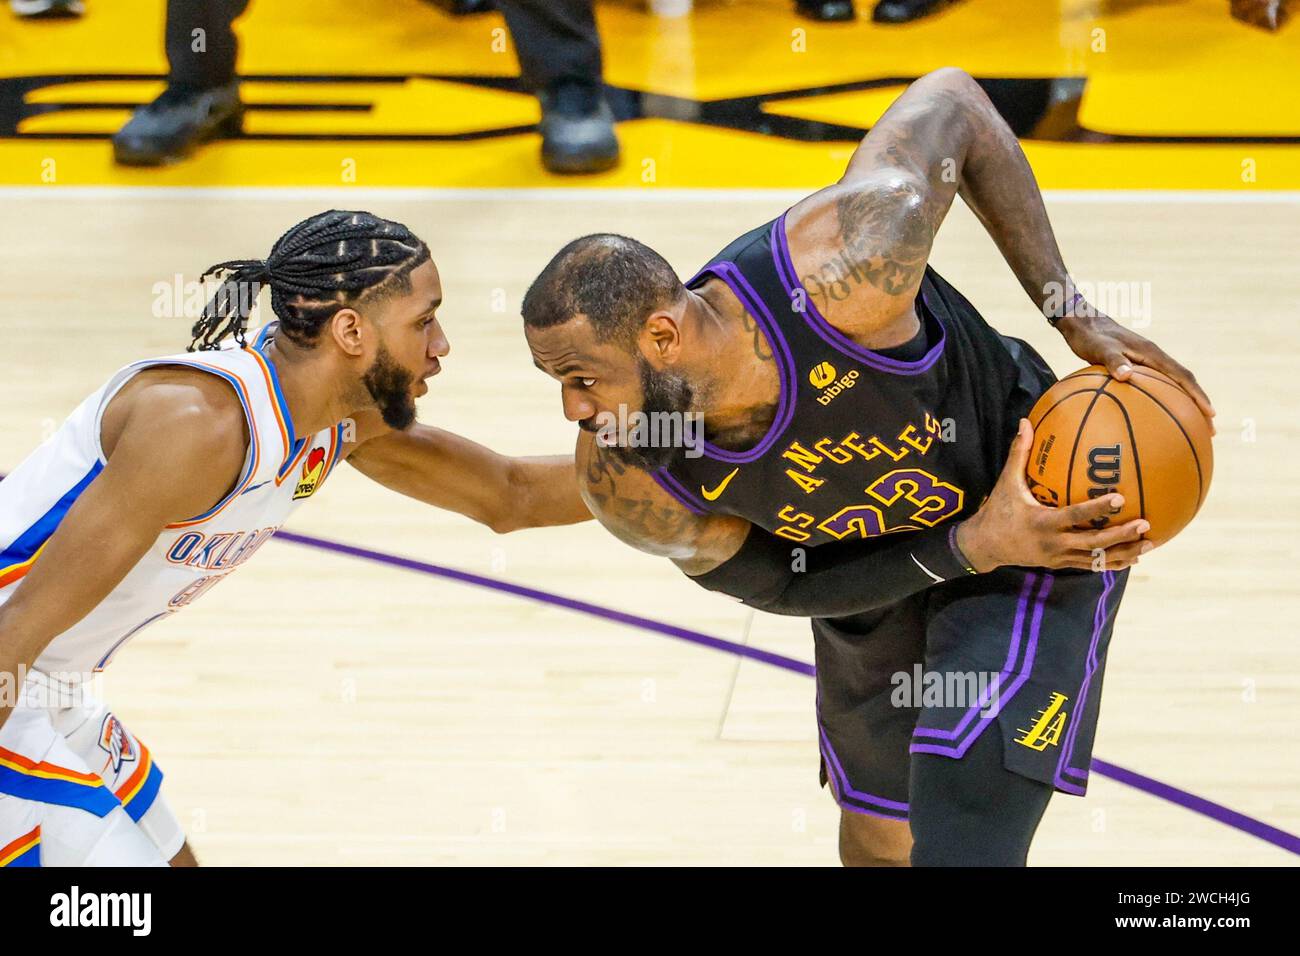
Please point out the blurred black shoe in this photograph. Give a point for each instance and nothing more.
(826, 11)
(464, 8)
(178, 120)
(47, 9)
(903, 11)
(577, 130)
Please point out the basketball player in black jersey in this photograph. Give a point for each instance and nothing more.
(857, 413)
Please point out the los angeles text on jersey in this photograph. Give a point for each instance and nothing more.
(924, 499)
(852, 447)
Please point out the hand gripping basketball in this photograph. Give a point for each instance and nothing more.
(1012, 528)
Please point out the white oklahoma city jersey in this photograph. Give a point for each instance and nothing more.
(189, 557)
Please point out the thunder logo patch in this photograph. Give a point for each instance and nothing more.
(114, 741)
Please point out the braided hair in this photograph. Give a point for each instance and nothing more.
(330, 261)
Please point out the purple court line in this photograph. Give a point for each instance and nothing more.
(545, 597)
(1199, 805)
(1189, 801)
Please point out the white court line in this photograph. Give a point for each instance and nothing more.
(591, 194)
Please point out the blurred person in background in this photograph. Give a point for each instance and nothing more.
(885, 11)
(47, 9)
(556, 41)
(560, 61)
(1269, 14)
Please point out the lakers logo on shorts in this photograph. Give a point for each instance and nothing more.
(822, 375)
(1048, 725)
(312, 470)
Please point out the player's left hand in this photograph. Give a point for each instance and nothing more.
(1100, 340)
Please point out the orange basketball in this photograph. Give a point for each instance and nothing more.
(1144, 438)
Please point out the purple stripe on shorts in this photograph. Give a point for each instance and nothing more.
(833, 336)
(854, 808)
(1026, 669)
(1017, 628)
(845, 787)
(843, 804)
(1013, 651)
(1099, 617)
(840, 780)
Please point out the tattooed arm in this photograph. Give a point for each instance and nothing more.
(730, 555)
(634, 509)
(861, 245)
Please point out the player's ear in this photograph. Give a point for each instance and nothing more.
(660, 340)
(346, 328)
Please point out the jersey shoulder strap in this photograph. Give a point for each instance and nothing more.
(273, 448)
(749, 266)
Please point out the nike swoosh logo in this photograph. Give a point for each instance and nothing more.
(713, 495)
(254, 488)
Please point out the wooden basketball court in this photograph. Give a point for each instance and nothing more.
(324, 707)
(390, 684)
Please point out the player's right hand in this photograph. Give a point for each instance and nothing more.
(1013, 528)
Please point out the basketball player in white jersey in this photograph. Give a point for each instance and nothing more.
(177, 471)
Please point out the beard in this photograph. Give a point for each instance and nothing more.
(660, 392)
(390, 386)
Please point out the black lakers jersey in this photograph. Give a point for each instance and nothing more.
(864, 442)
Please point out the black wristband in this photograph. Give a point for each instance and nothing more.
(939, 557)
(957, 552)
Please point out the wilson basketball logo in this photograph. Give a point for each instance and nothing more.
(1103, 469)
(822, 375)
(312, 470)
(1103, 476)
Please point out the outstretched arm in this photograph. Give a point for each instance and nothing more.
(445, 470)
(862, 244)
